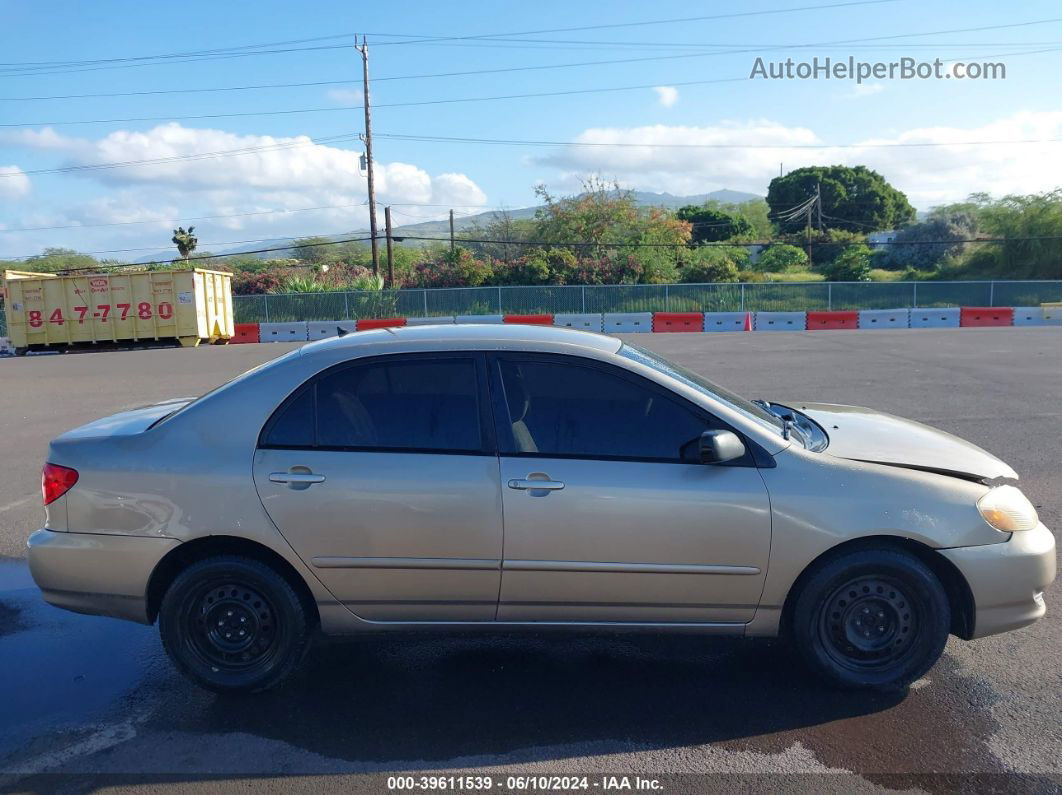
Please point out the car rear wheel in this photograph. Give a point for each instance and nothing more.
(871, 618)
(233, 624)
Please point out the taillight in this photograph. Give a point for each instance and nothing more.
(56, 481)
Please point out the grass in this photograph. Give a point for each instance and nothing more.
(795, 276)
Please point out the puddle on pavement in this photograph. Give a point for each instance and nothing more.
(59, 669)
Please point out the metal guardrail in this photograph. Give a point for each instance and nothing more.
(721, 297)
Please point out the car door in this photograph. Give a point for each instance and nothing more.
(607, 516)
(383, 476)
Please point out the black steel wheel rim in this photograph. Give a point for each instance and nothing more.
(868, 623)
(231, 626)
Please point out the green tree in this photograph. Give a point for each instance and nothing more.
(782, 257)
(1032, 228)
(853, 198)
(185, 241)
(604, 221)
(711, 225)
(54, 259)
(853, 265)
(755, 212)
(315, 251)
(510, 233)
(706, 264)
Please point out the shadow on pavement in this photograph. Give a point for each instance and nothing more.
(441, 696)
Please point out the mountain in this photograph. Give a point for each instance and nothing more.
(441, 228)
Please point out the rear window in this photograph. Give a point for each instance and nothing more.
(429, 405)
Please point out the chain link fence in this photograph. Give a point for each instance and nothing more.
(596, 299)
(723, 297)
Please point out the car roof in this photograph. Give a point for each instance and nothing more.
(463, 335)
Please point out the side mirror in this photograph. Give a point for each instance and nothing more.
(718, 447)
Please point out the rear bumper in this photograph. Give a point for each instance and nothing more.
(105, 575)
(1007, 580)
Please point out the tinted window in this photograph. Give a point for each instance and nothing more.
(294, 426)
(420, 404)
(574, 410)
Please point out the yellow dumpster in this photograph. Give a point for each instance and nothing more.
(187, 307)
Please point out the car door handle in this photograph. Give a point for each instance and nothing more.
(524, 484)
(307, 478)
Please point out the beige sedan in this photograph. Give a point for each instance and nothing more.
(520, 476)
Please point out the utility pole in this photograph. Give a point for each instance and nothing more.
(807, 233)
(451, 231)
(367, 138)
(818, 203)
(390, 249)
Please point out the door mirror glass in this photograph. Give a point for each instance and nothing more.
(718, 447)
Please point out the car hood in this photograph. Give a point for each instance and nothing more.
(863, 434)
(125, 423)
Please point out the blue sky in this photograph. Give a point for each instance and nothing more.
(664, 125)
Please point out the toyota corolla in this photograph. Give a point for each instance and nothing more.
(521, 476)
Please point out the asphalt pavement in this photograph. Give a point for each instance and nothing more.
(90, 703)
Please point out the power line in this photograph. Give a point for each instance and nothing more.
(549, 243)
(462, 73)
(890, 37)
(418, 103)
(30, 257)
(536, 67)
(579, 244)
(46, 68)
(507, 142)
(255, 49)
(361, 107)
(182, 220)
(230, 215)
(517, 142)
(682, 20)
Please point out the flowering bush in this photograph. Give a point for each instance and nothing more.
(244, 283)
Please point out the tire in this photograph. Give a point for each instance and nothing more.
(871, 618)
(209, 605)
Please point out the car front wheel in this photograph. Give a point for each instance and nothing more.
(233, 624)
(871, 618)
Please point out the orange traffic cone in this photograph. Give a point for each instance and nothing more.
(748, 321)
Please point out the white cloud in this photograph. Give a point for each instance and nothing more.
(929, 175)
(261, 189)
(265, 163)
(666, 95)
(860, 90)
(13, 182)
(346, 96)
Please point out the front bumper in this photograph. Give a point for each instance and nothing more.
(104, 575)
(1008, 579)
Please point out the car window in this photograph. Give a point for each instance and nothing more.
(576, 410)
(294, 426)
(688, 377)
(419, 404)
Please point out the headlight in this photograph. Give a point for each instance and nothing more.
(1008, 510)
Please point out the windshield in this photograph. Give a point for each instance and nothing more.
(747, 408)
